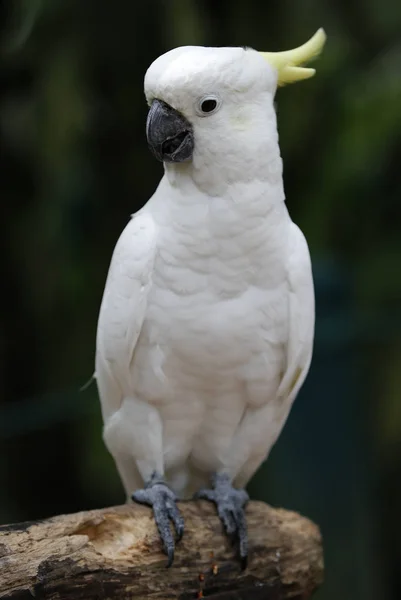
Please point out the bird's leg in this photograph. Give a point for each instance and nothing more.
(230, 503)
(158, 495)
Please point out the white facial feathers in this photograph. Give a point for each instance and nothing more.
(184, 75)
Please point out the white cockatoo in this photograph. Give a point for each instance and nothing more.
(206, 326)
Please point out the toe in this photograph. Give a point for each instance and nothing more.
(242, 536)
(227, 518)
(205, 495)
(161, 515)
(176, 517)
(170, 555)
(242, 497)
(141, 496)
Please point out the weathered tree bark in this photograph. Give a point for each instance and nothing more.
(116, 553)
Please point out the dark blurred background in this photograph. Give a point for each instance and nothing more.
(74, 166)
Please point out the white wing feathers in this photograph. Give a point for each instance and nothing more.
(301, 316)
(123, 309)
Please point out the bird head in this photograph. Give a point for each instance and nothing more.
(213, 100)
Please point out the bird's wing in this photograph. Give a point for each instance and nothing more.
(123, 309)
(261, 425)
(301, 316)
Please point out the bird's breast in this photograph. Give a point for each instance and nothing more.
(213, 339)
(212, 324)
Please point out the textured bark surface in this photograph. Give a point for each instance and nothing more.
(116, 553)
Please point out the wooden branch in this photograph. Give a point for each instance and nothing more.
(115, 553)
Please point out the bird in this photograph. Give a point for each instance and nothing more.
(206, 325)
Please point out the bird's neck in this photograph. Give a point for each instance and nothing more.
(244, 229)
(244, 215)
(216, 173)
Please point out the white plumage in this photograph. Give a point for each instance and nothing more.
(206, 327)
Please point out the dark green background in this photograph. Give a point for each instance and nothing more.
(74, 166)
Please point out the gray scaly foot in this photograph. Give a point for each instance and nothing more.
(230, 504)
(163, 501)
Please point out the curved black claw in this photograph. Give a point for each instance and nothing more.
(230, 504)
(163, 501)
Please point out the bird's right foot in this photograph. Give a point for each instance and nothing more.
(164, 503)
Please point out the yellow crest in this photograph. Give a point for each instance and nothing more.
(289, 63)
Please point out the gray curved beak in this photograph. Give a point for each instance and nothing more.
(169, 133)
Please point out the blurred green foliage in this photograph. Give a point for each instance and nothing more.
(75, 165)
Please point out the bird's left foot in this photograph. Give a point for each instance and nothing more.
(230, 504)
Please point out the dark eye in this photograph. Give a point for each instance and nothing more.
(208, 105)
